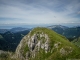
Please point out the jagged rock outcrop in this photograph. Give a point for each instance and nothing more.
(3, 52)
(66, 50)
(34, 43)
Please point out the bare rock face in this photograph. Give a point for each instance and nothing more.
(56, 45)
(66, 50)
(34, 43)
(62, 51)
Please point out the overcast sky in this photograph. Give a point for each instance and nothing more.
(39, 11)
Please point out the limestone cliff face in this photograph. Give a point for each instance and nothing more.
(31, 44)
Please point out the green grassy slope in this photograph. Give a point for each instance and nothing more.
(56, 55)
(77, 41)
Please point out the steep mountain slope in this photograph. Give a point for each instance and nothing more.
(77, 41)
(9, 40)
(69, 33)
(72, 32)
(4, 55)
(58, 28)
(45, 44)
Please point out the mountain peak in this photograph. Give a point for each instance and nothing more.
(58, 26)
(43, 43)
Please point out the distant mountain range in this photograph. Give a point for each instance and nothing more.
(69, 33)
(18, 29)
(3, 30)
(10, 38)
(14, 30)
(58, 26)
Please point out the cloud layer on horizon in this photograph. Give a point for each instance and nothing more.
(39, 11)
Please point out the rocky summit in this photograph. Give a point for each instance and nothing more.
(45, 44)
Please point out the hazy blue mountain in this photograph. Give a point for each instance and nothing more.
(58, 28)
(3, 30)
(72, 32)
(69, 33)
(18, 29)
(14, 30)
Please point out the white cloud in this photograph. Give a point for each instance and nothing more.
(78, 12)
(36, 13)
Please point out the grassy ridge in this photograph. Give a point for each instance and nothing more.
(54, 38)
